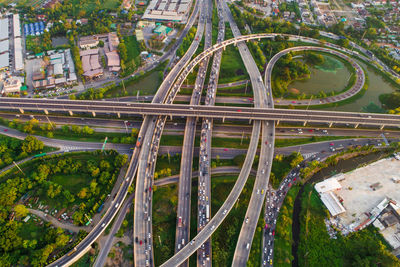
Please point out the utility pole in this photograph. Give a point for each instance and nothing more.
(126, 127)
(123, 85)
(137, 95)
(309, 102)
(50, 122)
(245, 90)
(16, 165)
(241, 140)
(104, 144)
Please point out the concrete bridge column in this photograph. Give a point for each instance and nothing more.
(46, 112)
(170, 117)
(21, 110)
(224, 48)
(94, 114)
(356, 126)
(304, 124)
(119, 115)
(330, 124)
(382, 127)
(277, 122)
(223, 119)
(250, 121)
(70, 113)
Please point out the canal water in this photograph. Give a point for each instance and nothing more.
(342, 167)
(335, 76)
(324, 78)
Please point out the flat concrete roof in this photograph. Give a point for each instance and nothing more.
(3, 29)
(4, 60)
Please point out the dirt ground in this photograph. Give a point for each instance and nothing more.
(357, 195)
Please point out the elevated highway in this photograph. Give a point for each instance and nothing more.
(222, 112)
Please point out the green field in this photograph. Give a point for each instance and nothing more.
(232, 66)
(90, 5)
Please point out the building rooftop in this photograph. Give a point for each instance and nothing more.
(4, 46)
(4, 60)
(3, 29)
(327, 185)
(332, 203)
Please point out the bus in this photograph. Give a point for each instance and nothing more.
(40, 155)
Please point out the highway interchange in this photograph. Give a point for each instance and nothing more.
(144, 157)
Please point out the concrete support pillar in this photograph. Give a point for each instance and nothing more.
(304, 124)
(356, 126)
(21, 110)
(382, 127)
(94, 114)
(223, 119)
(46, 112)
(170, 117)
(250, 121)
(330, 124)
(119, 115)
(224, 48)
(70, 113)
(277, 122)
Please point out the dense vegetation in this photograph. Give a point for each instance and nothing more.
(283, 237)
(281, 166)
(12, 149)
(60, 181)
(362, 248)
(187, 41)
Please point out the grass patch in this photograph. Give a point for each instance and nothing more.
(302, 141)
(232, 66)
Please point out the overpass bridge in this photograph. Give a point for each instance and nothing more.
(179, 110)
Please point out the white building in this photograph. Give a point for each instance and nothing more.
(325, 190)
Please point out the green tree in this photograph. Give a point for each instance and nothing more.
(20, 210)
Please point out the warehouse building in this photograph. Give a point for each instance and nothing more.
(167, 10)
(326, 190)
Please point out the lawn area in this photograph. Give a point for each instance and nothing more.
(31, 230)
(232, 66)
(283, 237)
(71, 182)
(316, 248)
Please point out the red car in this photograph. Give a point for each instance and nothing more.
(294, 102)
(294, 179)
(150, 188)
(290, 184)
(239, 110)
(331, 144)
(311, 130)
(266, 226)
(5, 130)
(140, 242)
(266, 142)
(225, 149)
(273, 233)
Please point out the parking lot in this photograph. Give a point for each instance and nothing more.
(357, 194)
